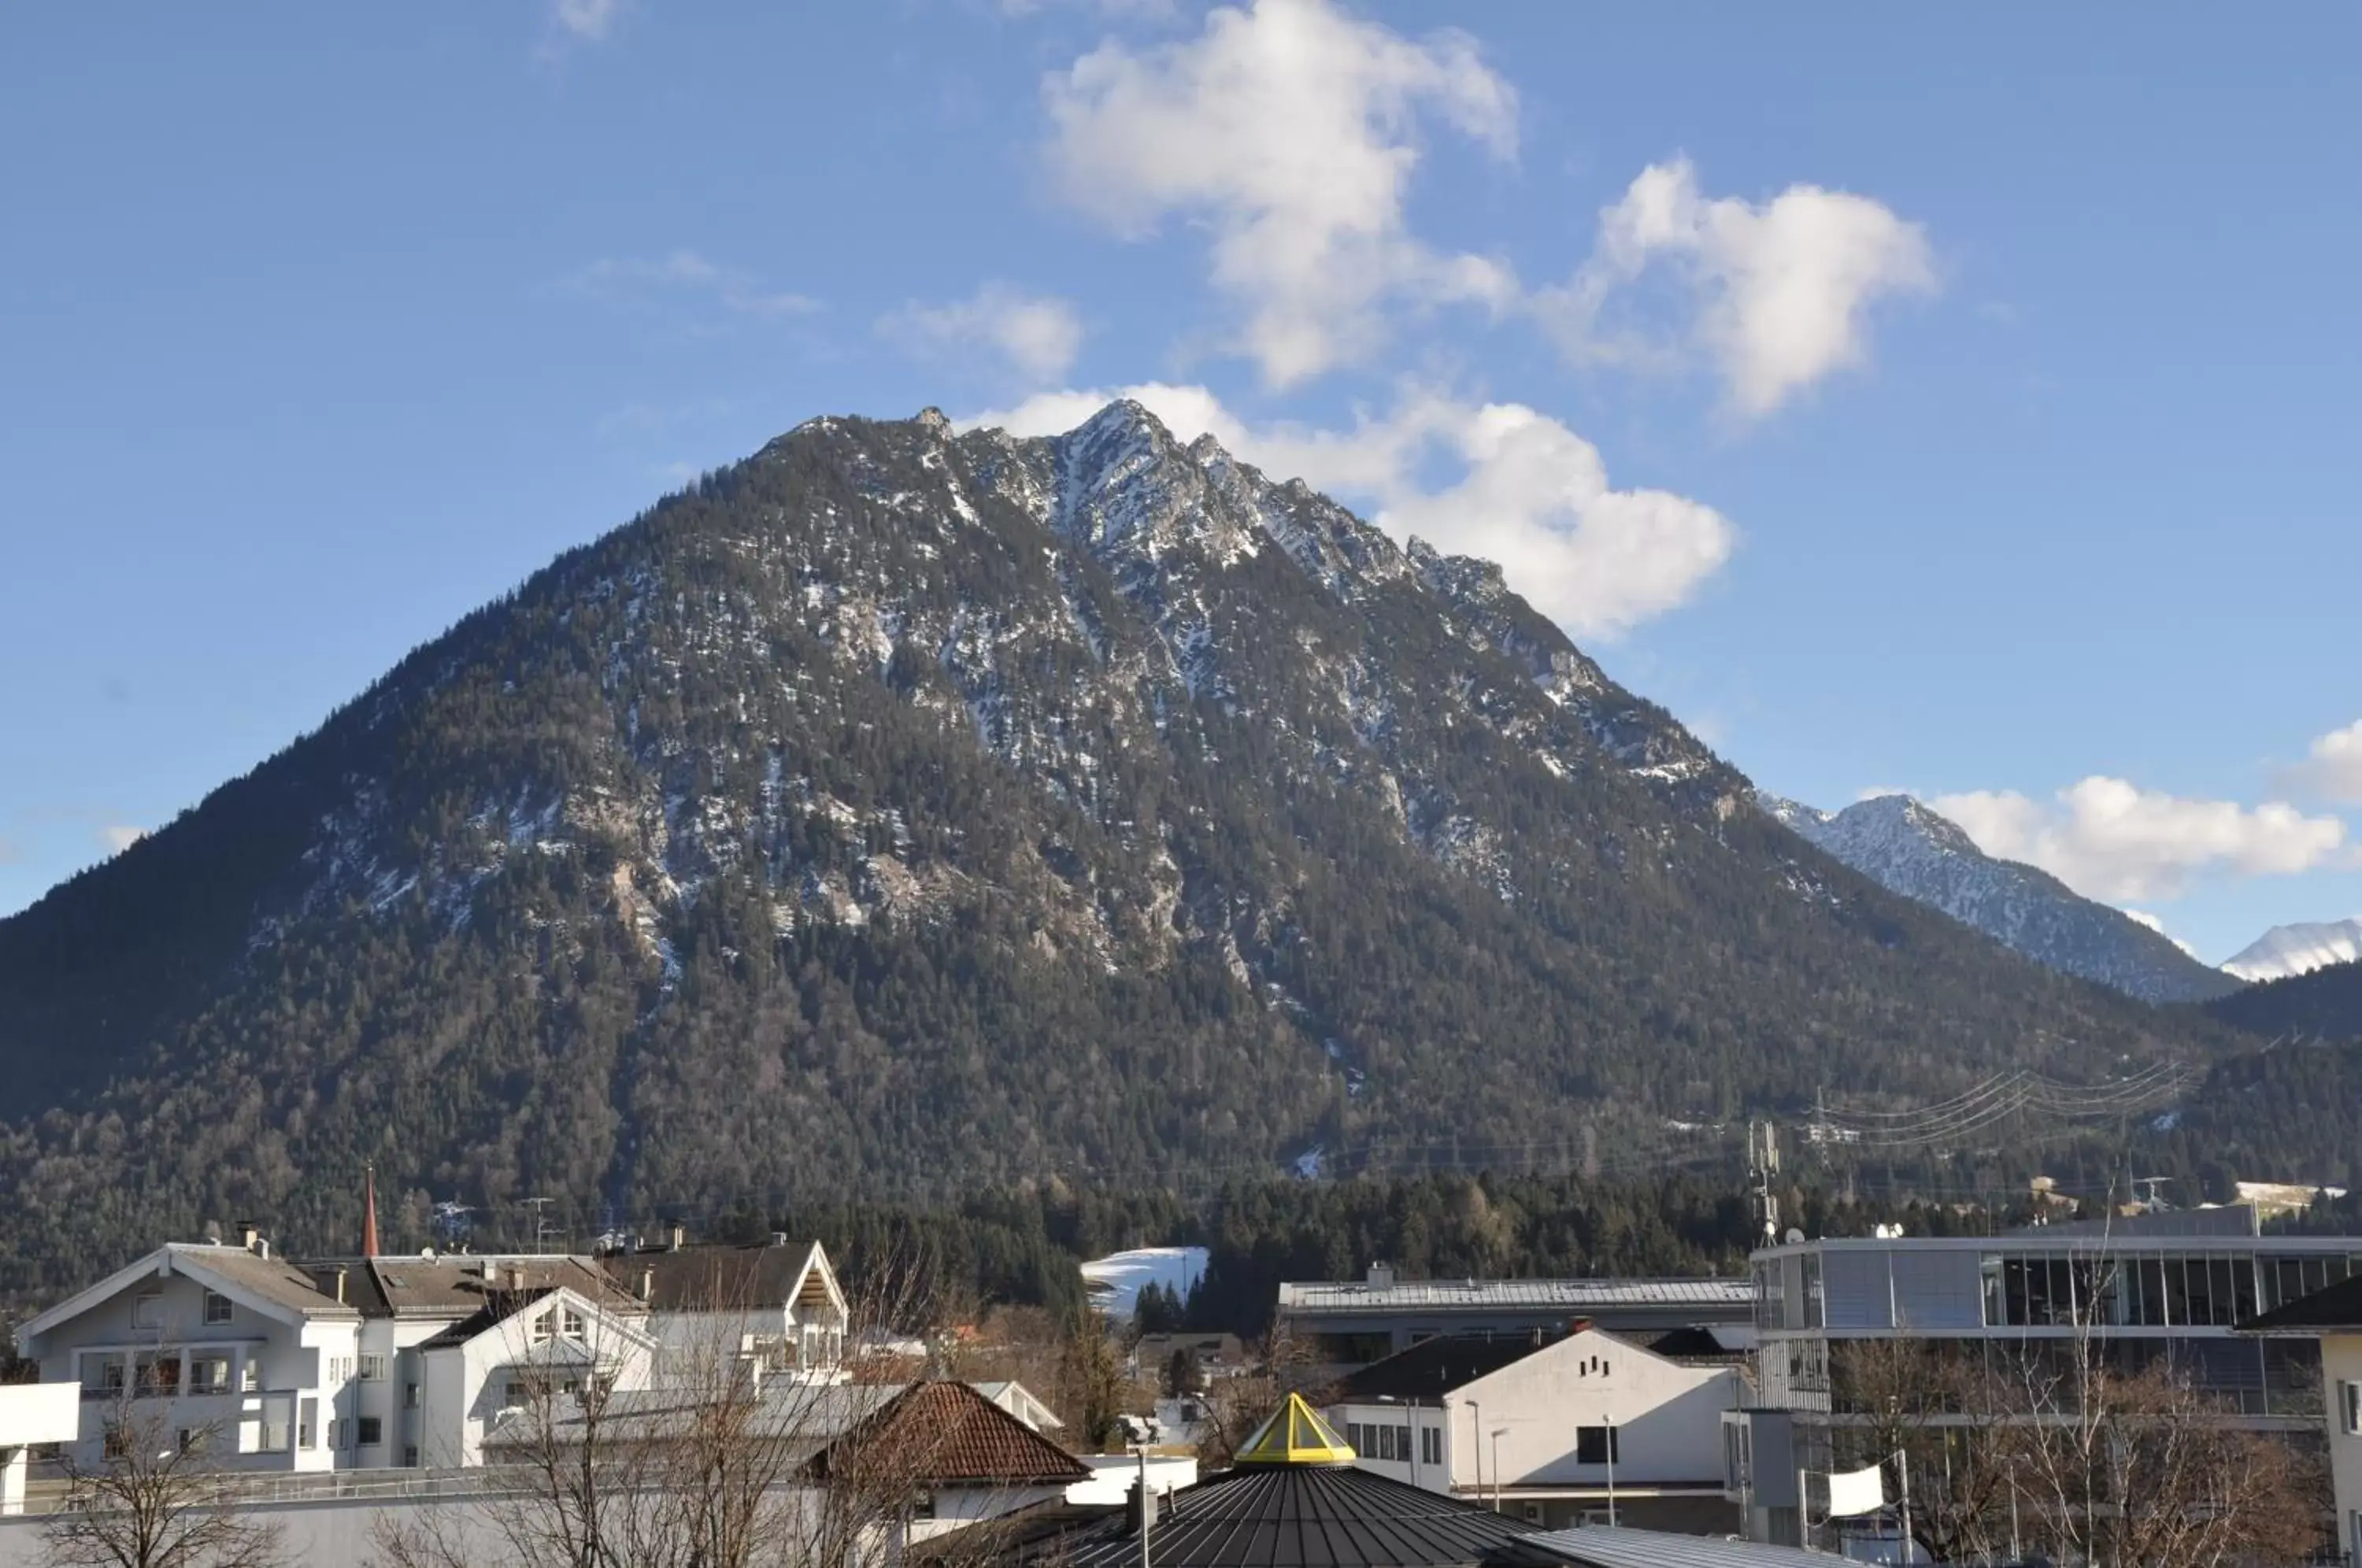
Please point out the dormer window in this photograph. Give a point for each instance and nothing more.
(575, 1326)
(545, 1326)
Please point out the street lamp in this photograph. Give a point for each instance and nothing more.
(1611, 1470)
(1497, 1467)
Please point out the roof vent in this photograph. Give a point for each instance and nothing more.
(1381, 1275)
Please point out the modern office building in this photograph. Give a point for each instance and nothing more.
(2142, 1287)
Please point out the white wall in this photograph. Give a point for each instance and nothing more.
(2340, 1362)
(1668, 1418)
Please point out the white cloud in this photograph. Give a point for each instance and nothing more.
(685, 272)
(1529, 493)
(2108, 839)
(586, 20)
(1290, 130)
(1038, 334)
(1775, 294)
(2333, 770)
(2142, 917)
(118, 839)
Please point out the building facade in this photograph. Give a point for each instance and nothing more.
(1556, 1431)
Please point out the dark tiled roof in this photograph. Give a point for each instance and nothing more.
(2338, 1307)
(457, 1286)
(1694, 1343)
(1302, 1516)
(713, 1278)
(1432, 1368)
(498, 1308)
(942, 1434)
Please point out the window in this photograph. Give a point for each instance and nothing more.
(545, 1327)
(1431, 1445)
(2349, 1402)
(217, 1307)
(372, 1369)
(307, 1423)
(1354, 1441)
(410, 1395)
(1596, 1445)
(575, 1327)
(101, 1375)
(147, 1310)
(332, 1432)
(371, 1430)
(192, 1440)
(410, 1455)
(209, 1375)
(118, 1445)
(156, 1374)
(249, 1376)
(1402, 1444)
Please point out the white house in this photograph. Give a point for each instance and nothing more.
(1557, 1429)
(224, 1345)
(777, 1305)
(523, 1350)
(282, 1366)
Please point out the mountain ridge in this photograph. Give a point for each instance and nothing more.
(1906, 846)
(903, 810)
(2287, 951)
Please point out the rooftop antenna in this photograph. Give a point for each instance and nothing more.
(2150, 1202)
(540, 1207)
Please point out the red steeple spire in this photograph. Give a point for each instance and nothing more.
(368, 1215)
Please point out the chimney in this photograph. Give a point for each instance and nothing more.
(249, 1235)
(779, 1238)
(679, 1236)
(341, 1272)
(368, 1212)
(1381, 1275)
(647, 1282)
(1140, 1507)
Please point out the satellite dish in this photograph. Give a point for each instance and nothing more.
(1794, 1235)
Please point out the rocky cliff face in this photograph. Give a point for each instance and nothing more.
(902, 808)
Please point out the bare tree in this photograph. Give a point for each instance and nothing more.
(156, 1499)
(1237, 1404)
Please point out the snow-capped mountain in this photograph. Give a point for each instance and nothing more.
(1903, 846)
(2300, 949)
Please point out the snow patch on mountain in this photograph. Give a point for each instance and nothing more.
(2298, 949)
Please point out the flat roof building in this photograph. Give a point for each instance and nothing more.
(1357, 1321)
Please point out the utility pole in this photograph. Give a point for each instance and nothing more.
(1763, 1167)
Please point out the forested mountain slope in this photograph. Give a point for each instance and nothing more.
(901, 808)
(2323, 1005)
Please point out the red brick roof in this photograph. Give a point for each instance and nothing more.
(944, 1434)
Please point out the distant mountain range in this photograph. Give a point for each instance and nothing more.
(1903, 846)
(903, 812)
(2289, 950)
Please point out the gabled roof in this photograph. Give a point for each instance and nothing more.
(723, 1279)
(2335, 1309)
(947, 1434)
(500, 1306)
(271, 1286)
(1302, 1516)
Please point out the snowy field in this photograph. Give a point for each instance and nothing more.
(1115, 1280)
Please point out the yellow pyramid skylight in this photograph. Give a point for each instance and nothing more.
(1295, 1435)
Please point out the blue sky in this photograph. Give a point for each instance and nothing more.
(1905, 401)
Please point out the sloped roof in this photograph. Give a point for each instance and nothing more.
(1302, 1515)
(456, 1287)
(943, 1434)
(1575, 1295)
(713, 1278)
(2339, 1307)
(1295, 1435)
(272, 1279)
(1599, 1546)
(1432, 1368)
